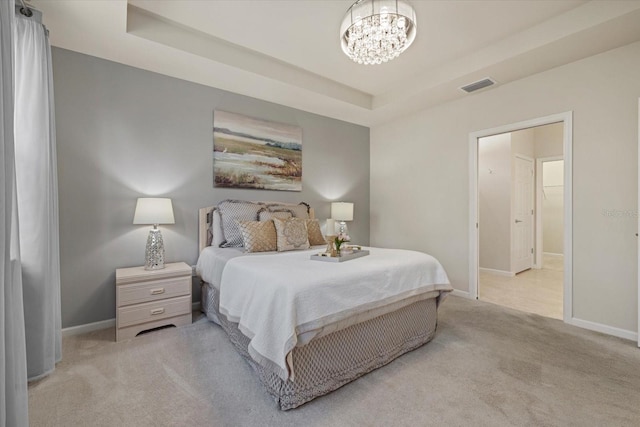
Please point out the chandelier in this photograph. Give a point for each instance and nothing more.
(376, 31)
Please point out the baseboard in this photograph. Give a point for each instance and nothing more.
(88, 327)
(552, 254)
(599, 327)
(103, 324)
(497, 272)
(462, 294)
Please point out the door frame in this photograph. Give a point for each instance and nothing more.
(567, 119)
(539, 221)
(513, 214)
(638, 224)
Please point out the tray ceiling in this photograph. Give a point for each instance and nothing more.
(288, 52)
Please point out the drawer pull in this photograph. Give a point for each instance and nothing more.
(157, 311)
(157, 291)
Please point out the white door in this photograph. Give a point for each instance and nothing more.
(522, 215)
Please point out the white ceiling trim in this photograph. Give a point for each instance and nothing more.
(134, 33)
(150, 26)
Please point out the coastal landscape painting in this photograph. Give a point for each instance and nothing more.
(255, 153)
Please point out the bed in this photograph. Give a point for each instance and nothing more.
(308, 327)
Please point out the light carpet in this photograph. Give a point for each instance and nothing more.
(487, 366)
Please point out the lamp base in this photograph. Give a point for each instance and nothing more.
(154, 254)
(343, 228)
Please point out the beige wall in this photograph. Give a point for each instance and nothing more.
(494, 202)
(495, 194)
(552, 206)
(522, 142)
(548, 140)
(420, 176)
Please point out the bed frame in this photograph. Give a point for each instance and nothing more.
(327, 363)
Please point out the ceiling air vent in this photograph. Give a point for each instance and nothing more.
(480, 84)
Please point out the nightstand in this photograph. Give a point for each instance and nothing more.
(147, 299)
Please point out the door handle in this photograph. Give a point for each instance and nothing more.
(518, 221)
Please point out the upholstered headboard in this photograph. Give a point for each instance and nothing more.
(205, 223)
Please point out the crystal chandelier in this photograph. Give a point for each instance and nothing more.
(376, 31)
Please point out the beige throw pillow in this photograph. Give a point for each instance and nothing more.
(315, 234)
(258, 236)
(291, 234)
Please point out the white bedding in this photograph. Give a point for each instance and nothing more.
(279, 299)
(212, 261)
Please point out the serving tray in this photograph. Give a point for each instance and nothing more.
(342, 258)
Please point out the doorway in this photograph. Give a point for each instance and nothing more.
(549, 202)
(509, 202)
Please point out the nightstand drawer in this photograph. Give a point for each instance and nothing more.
(135, 293)
(151, 311)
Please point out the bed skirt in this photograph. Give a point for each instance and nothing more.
(331, 361)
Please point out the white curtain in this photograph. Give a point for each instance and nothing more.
(37, 189)
(13, 367)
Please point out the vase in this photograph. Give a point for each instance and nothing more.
(331, 246)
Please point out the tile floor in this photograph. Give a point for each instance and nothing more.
(533, 291)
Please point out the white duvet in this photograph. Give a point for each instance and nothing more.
(278, 297)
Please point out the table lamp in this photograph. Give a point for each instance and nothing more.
(342, 211)
(150, 210)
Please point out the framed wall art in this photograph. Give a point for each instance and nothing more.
(254, 153)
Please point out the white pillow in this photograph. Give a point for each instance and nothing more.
(216, 229)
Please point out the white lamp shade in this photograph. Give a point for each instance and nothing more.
(342, 211)
(150, 210)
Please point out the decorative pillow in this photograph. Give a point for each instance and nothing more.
(292, 234)
(315, 235)
(216, 229)
(265, 214)
(232, 211)
(300, 210)
(258, 236)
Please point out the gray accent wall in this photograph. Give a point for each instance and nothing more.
(124, 133)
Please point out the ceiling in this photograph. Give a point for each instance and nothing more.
(288, 52)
